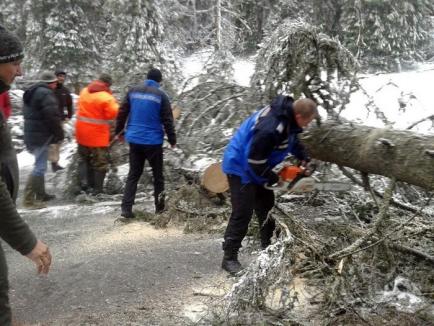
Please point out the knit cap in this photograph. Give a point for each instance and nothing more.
(47, 77)
(11, 48)
(155, 75)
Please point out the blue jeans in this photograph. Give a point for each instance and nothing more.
(41, 157)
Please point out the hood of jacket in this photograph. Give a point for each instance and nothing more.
(283, 106)
(28, 94)
(98, 86)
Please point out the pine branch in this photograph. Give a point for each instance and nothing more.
(398, 204)
(412, 251)
(381, 217)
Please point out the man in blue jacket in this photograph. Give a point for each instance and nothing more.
(262, 141)
(149, 115)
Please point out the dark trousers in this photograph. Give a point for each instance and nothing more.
(5, 309)
(138, 155)
(245, 199)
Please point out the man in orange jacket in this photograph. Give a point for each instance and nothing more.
(97, 109)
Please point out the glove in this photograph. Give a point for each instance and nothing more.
(272, 180)
(310, 168)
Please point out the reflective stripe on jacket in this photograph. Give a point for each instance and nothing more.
(263, 140)
(97, 108)
(149, 115)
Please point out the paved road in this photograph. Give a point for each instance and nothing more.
(107, 273)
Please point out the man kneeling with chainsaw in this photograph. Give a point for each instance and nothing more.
(263, 140)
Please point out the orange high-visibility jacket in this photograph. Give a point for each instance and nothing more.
(97, 109)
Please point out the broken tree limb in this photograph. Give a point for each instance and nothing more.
(382, 216)
(412, 251)
(400, 154)
(394, 202)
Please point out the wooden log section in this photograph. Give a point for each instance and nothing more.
(403, 154)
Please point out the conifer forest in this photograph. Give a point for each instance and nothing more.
(363, 255)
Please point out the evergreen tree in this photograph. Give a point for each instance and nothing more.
(380, 33)
(384, 34)
(61, 34)
(299, 60)
(136, 27)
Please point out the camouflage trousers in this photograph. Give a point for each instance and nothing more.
(97, 158)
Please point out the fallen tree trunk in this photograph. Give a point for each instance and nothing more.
(402, 154)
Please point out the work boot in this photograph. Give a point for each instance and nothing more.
(127, 212)
(40, 189)
(30, 201)
(99, 177)
(160, 203)
(230, 262)
(56, 167)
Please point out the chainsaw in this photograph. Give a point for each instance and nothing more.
(298, 179)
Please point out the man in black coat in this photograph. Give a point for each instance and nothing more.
(64, 100)
(13, 229)
(42, 127)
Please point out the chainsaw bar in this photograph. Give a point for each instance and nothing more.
(308, 184)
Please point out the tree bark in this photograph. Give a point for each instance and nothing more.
(402, 154)
(218, 25)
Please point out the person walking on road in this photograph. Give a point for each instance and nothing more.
(97, 109)
(149, 114)
(262, 141)
(64, 99)
(42, 127)
(13, 230)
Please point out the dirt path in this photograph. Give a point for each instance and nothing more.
(107, 273)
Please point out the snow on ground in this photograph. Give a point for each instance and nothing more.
(390, 92)
(193, 65)
(243, 71)
(404, 97)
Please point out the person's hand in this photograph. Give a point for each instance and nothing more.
(310, 168)
(41, 256)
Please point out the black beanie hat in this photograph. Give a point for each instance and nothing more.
(10, 46)
(155, 75)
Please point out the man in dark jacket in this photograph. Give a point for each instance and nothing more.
(42, 127)
(262, 141)
(64, 99)
(148, 111)
(13, 229)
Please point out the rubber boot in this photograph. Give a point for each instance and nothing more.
(40, 193)
(230, 262)
(160, 203)
(29, 200)
(99, 177)
(83, 176)
(56, 167)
